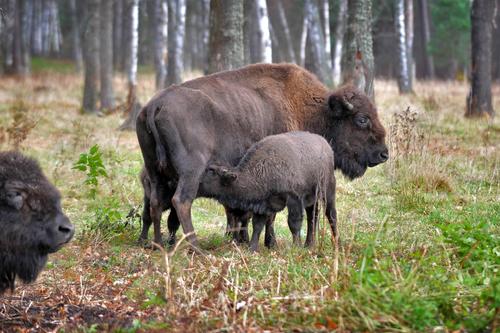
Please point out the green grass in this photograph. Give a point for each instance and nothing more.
(420, 247)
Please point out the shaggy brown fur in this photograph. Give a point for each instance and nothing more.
(32, 224)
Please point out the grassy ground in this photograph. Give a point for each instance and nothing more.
(420, 246)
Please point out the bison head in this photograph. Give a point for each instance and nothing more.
(32, 224)
(355, 132)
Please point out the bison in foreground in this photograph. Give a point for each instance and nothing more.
(293, 169)
(186, 127)
(32, 224)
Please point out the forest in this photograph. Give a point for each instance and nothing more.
(116, 114)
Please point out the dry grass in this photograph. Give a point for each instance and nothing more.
(418, 234)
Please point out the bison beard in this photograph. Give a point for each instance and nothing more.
(32, 224)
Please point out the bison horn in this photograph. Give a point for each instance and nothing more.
(348, 105)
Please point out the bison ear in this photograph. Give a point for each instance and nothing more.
(228, 177)
(339, 105)
(15, 199)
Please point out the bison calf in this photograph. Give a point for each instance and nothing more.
(32, 224)
(293, 169)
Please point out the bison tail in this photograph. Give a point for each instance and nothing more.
(161, 154)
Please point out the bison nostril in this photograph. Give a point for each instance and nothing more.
(66, 229)
(384, 155)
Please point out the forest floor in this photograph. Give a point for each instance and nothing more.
(420, 246)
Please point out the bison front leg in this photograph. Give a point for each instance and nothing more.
(259, 221)
(312, 219)
(146, 222)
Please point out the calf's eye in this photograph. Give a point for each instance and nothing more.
(362, 122)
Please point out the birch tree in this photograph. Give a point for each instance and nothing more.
(325, 7)
(264, 33)
(106, 54)
(339, 40)
(176, 29)
(426, 38)
(226, 35)
(91, 57)
(316, 60)
(132, 54)
(479, 98)
(160, 40)
(404, 66)
(357, 60)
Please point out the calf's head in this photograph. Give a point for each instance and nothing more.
(355, 132)
(32, 223)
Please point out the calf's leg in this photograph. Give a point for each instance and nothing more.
(295, 216)
(270, 237)
(312, 220)
(259, 221)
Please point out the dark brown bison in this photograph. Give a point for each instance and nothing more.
(184, 128)
(294, 170)
(32, 224)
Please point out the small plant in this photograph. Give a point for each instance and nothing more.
(92, 164)
(21, 126)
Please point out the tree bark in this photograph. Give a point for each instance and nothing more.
(479, 98)
(279, 25)
(91, 57)
(160, 40)
(496, 45)
(426, 38)
(18, 66)
(106, 55)
(133, 53)
(357, 60)
(75, 36)
(118, 54)
(176, 30)
(265, 40)
(316, 60)
(226, 35)
(404, 69)
(339, 41)
(257, 37)
(325, 7)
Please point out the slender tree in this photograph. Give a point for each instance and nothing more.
(133, 44)
(425, 27)
(160, 41)
(106, 54)
(316, 57)
(264, 32)
(479, 98)
(281, 30)
(91, 56)
(118, 54)
(325, 8)
(75, 36)
(357, 60)
(176, 30)
(339, 41)
(404, 68)
(226, 35)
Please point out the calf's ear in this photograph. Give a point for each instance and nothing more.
(227, 176)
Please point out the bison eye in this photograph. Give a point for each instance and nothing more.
(362, 122)
(15, 199)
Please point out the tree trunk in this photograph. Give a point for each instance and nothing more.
(339, 41)
(118, 56)
(479, 98)
(426, 38)
(18, 66)
(226, 35)
(316, 60)
(264, 32)
(106, 55)
(75, 35)
(326, 31)
(176, 29)
(91, 56)
(409, 38)
(160, 40)
(496, 45)
(279, 25)
(189, 45)
(132, 54)
(357, 59)
(36, 28)
(404, 70)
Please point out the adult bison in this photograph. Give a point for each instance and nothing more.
(32, 224)
(216, 118)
